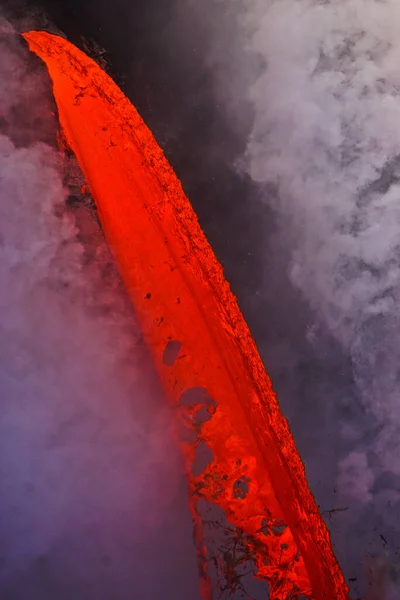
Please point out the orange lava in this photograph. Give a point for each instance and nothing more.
(196, 333)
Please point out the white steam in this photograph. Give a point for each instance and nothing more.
(326, 136)
(92, 501)
(326, 144)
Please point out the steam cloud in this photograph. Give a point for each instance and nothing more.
(92, 498)
(327, 138)
(326, 143)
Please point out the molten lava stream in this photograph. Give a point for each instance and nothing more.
(201, 345)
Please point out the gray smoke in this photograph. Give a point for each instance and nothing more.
(92, 494)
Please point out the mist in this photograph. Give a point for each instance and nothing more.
(93, 500)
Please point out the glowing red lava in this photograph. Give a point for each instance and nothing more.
(196, 333)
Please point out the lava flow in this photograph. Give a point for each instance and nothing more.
(205, 356)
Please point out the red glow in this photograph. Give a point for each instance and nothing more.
(180, 295)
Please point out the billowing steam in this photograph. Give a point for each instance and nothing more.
(326, 137)
(326, 143)
(92, 500)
